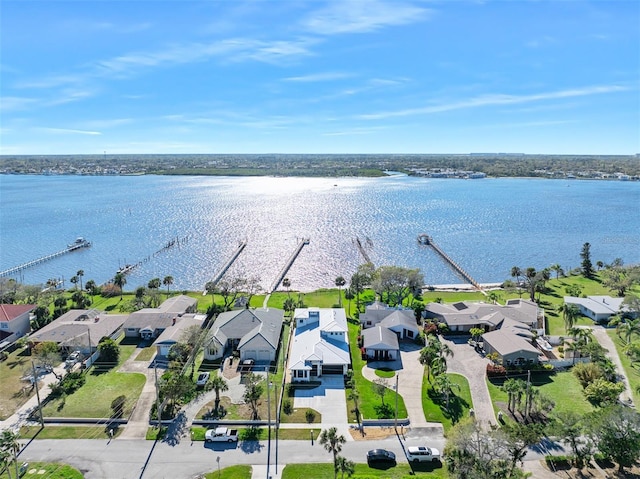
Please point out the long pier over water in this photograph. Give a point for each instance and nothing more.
(226, 266)
(426, 240)
(292, 258)
(79, 244)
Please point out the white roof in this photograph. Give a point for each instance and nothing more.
(597, 304)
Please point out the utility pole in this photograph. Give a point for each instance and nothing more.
(155, 371)
(35, 383)
(396, 420)
(89, 335)
(268, 424)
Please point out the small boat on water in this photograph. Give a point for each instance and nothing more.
(80, 242)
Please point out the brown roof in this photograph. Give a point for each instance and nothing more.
(9, 312)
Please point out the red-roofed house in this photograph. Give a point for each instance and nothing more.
(15, 322)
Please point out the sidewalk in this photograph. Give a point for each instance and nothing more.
(21, 416)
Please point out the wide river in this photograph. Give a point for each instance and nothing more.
(486, 225)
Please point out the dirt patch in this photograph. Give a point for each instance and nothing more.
(230, 368)
(371, 433)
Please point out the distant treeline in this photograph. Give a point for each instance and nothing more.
(497, 165)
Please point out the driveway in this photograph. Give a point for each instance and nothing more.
(410, 373)
(328, 399)
(472, 366)
(612, 353)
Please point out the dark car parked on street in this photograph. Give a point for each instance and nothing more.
(380, 456)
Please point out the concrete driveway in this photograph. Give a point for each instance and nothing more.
(329, 400)
(471, 365)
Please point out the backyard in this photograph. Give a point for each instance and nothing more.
(15, 392)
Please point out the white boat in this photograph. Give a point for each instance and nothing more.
(544, 344)
(80, 242)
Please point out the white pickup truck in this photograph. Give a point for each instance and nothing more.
(221, 434)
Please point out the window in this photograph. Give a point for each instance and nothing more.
(4, 325)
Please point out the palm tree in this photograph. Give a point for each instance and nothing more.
(340, 282)
(511, 387)
(167, 281)
(493, 296)
(345, 466)
(557, 269)
(445, 386)
(74, 280)
(119, 280)
(286, 283)
(628, 328)
(332, 442)
(218, 384)
(80, 274)
(570, 314)
(154, 283)
(349, 295)
(516, 272)
(10, 447)
(91, 288)
(354, 396)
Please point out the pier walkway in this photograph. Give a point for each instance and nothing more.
(303, 242)
(426, 240)
(362, 250)
(226, 266)
(79, 244)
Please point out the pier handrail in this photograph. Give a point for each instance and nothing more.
(427, 240)
(227, 265)
(288, 264)
(68, 249)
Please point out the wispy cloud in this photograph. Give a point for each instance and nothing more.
(360, 16)
(67, 131)
(318, 77)
(354, 131)
(13, 103)
(498, 99)
(106, 124)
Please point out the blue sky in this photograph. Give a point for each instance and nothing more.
(84, 77)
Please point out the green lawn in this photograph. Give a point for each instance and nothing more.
(562, 387)
(369, 400)
(262, 433)
(363, 471)
(632, 372)
(231, 472)
(66, 432)
(14, 392)
(49, 470)
(146, 354)
(459, 404)
(385, 373)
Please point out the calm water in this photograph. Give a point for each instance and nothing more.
(487, 225)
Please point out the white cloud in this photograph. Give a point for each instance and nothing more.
(318, 77)
(65, 131)
(12, 103)
(360, 16)
(496, 99)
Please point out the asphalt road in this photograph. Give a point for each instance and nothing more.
(130, 458)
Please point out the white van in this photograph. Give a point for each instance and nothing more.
(422, 454)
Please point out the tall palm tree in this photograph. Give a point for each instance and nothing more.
(340, 282)
(218, 384)
(445, 386)
(286, 283)
(74, 280)
(332, 442)
(570, 313)
(154, 283)
(628, 328)
(557, 269)
(349, 295)
(119, 280)
(511, 387)
(10, 447)
(80, 274)
(167, 281)
(516, 272)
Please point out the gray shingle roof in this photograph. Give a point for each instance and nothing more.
(379, 337)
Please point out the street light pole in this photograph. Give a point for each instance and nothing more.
(268, 425)
(35, 383)
(396, 417)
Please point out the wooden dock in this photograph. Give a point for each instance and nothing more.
(292, 258)
(426, 240)
(227, 265)
(72, 247)
(362, 250)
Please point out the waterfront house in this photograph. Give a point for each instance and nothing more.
(173, 334)
(512, 344)
(15, 322)
(254, 333)
(319, 343)
(80, 330)
(149, 323)
(399, 320)
(380, 344)
(464, 315)
(598, 308)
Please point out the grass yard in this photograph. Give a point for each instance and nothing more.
(459, 404)
(633, 373)
(146, 354)
(562, 387)
(66, 432)
(231, 472)
(14, 392)
(363, 471)
(50, 470)
(370, 402)
(262, 433)
(385, 373)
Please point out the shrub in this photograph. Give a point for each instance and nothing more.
(110, 290)
(287, 408)
(587, 373)
(496, 370)
(310, 416)
(117, 406)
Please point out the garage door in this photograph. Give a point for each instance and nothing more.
(250, 354)
(331, 369)
(264, 356)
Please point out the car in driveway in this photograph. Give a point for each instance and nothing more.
(422, 454)
(379, 456)
(202, 379)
